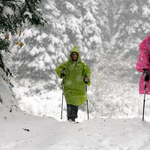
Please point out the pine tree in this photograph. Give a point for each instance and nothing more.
(13, 16)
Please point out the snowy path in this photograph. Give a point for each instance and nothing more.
(49, 134)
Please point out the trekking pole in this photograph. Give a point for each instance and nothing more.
(87, 104)
(62, 99)
(144, 101)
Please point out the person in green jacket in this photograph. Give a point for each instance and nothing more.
(76, 75)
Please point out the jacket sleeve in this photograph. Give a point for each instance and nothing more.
(144, 56)
(87, 72)
(59, 69)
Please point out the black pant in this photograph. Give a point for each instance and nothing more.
(72, 112)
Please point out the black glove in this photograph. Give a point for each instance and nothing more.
(146, 74)
(63, 72)
(86, 79)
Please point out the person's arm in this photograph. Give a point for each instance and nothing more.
(86, 74)
(144, 56)
(61, 70)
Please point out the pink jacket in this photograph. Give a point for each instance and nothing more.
(144, 63)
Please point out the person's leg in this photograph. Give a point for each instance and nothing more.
(75, 111)
(69, 111)
(72, 112)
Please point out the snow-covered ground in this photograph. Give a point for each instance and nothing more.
(21, 131)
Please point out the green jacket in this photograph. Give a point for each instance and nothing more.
(74, 86)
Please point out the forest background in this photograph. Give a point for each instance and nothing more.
(108, 34)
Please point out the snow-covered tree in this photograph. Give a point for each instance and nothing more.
(13, 16)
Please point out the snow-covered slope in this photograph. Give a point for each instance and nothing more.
(21, 131)
(25, 132)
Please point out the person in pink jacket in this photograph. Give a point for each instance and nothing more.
(143, 65)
